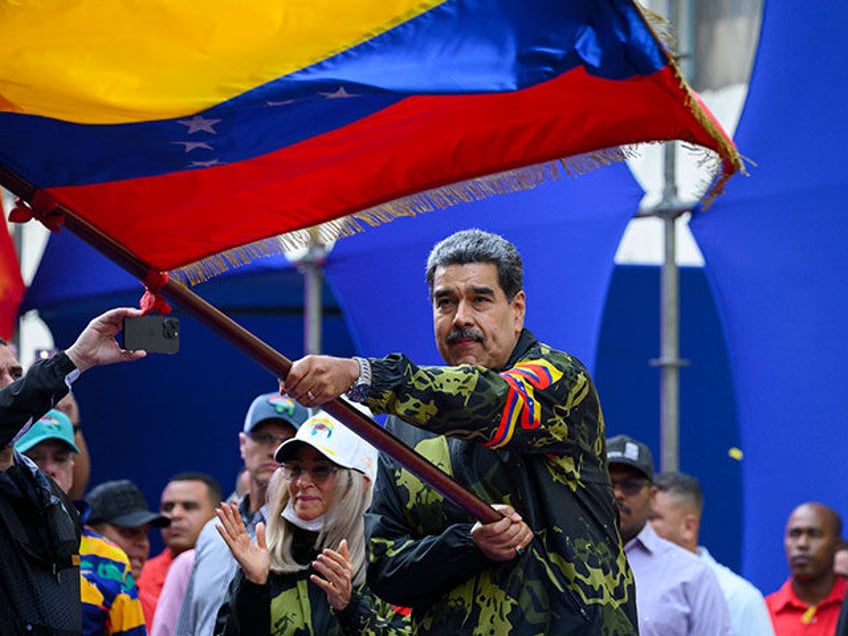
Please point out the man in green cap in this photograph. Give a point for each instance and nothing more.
(50, 444)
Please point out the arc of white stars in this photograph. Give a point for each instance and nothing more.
(199, 123)
(339, 94)
(188, 146)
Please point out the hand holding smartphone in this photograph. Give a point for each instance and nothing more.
(154, 334)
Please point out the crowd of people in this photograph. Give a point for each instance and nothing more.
(324, 535)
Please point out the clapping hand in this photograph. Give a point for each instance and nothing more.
(254, 558)
(337, 570)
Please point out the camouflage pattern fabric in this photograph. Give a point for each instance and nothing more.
(532, 436)
(291, 605)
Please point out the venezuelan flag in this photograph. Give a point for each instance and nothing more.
(185, 129)
(11, 284)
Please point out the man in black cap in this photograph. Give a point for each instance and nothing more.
(676, 593)
(120, 513)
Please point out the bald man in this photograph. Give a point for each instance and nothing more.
(811, 598)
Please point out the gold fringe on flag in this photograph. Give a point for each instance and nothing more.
(728, 161)
(519, 179)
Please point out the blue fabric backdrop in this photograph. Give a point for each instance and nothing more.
(775, 247)
(629, 386)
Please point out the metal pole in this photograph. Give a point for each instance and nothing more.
(669, 361)
(669, 299)
(312, 267)
(669, 328)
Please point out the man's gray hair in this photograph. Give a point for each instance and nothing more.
(476, 246)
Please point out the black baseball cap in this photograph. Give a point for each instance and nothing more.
(622, 449)
(122, 504)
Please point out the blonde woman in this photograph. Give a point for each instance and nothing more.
(306, 571)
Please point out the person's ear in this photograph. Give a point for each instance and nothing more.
(690, 527)
(242, 440)
(519, 307)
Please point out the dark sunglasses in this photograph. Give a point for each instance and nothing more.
(629, 487)
(318, 473)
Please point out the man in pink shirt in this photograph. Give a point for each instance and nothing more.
(189, 501)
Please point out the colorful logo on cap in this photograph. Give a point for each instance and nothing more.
(50, 422)
(321, 426)
(282, 404)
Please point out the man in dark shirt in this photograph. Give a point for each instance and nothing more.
(39, 526)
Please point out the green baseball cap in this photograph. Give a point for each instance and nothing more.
(53, 425)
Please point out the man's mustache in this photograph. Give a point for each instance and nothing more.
(460, 334)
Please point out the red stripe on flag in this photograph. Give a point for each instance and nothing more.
(418, 144)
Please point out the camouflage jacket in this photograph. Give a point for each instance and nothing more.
(532, 436)
(292, 605)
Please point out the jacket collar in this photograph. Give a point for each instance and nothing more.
(526, 341)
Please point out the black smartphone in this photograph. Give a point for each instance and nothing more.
(154, 334)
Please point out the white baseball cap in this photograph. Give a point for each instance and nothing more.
(333, 440)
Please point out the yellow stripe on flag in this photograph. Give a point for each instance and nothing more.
(110, 61)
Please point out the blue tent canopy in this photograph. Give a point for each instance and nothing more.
(774, 246)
